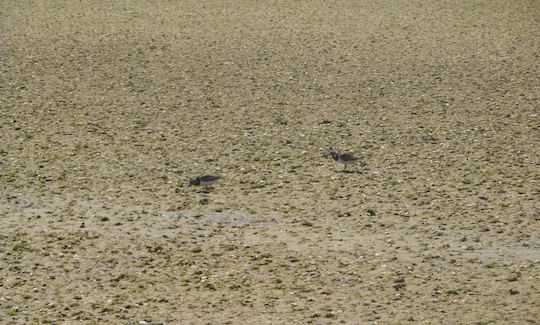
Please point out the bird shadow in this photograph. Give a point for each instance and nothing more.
(356, 171)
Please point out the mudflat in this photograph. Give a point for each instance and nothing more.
(109, 108)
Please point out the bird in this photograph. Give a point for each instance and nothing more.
(205, 180)
(344, 158)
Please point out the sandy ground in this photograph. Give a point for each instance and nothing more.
(108, 108)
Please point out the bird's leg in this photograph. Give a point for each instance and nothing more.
(344, 167)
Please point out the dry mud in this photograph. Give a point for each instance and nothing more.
(108, 108)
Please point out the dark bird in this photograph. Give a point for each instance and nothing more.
(344, 158)
(205, 180)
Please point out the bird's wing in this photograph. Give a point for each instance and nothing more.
(348, 156)
(209, 178)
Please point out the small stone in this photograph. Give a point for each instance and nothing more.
(293, 259)
(513, 291)
(371, 212)
(429, 138)
(344, 214)
(330, 315)
(104, 218)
